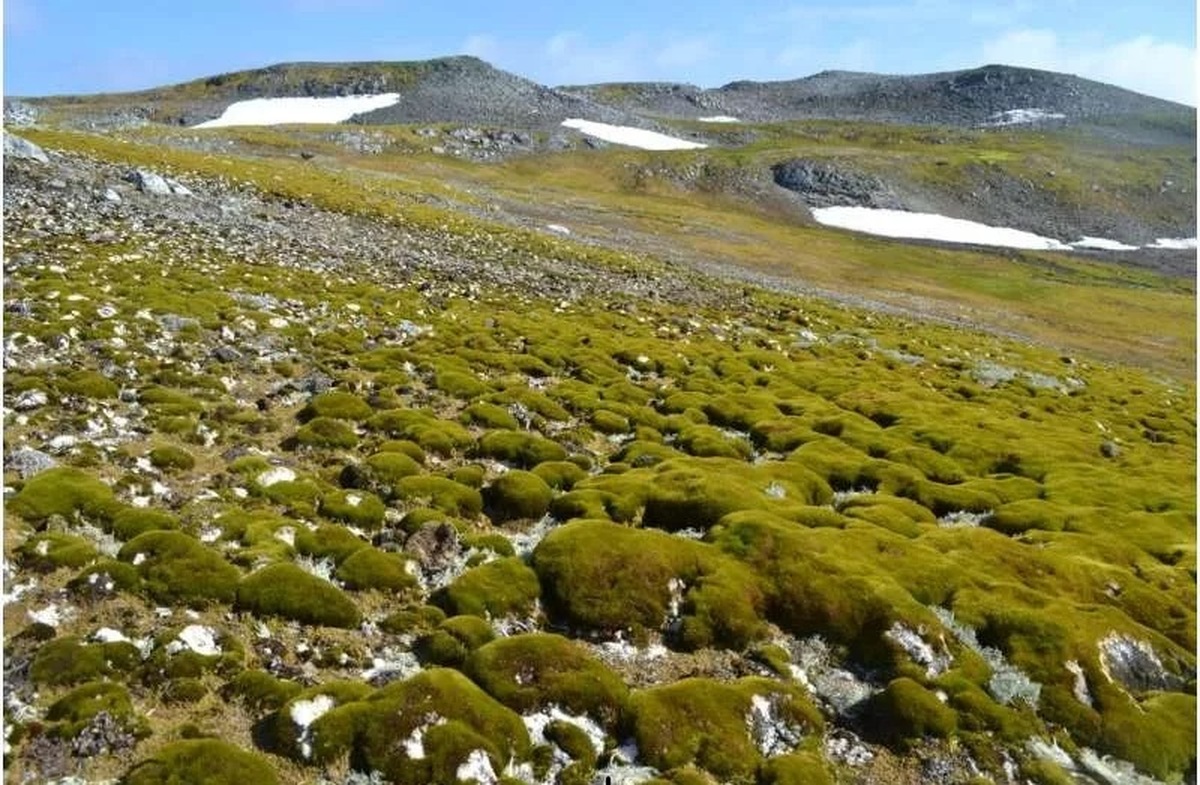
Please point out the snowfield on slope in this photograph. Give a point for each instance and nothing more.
(631, 137)
(931, 226)
(281, 111)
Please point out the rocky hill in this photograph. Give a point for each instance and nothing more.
(442, 90)
(991, 96)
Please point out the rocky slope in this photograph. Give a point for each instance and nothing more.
(991, 96)
(442, 90)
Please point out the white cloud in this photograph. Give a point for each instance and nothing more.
(1143, 63)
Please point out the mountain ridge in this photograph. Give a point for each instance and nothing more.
(463, 88)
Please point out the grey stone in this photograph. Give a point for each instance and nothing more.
(19, 113)
(824, 184)
(226, 354)
(16, 147)
(1136, 665)
(30, 400)
(110, 195)
(150, 183)
(173, 323)
(27, 461)
(434, 545)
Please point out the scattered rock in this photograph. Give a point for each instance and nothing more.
(1135, 664)
(17, 147)
(27, 462)
(30, 400)
(434, 545)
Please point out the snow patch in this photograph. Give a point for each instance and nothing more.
(414, 745)
(1023, 117)
(51, 616)
(1103, 244)
(931, 226)
(109, 635)
(537, 722)
(1174, 243)
(198, 638)
(275, 475)
(278, 111)
(477, 767)
(719, 118)
(631, 137)
(304, 713)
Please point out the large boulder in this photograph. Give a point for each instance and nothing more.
(16, 147)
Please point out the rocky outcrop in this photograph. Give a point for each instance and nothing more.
(16, 147)
(827, 184)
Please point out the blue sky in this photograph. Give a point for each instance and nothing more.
(78, 46)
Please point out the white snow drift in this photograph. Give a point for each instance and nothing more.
(930, 226)
(1102, 244)
(278, 111)
(720, 118)
(1024, 116)
(1175, 243)
(631, 137)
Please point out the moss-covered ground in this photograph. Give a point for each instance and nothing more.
(700, 480)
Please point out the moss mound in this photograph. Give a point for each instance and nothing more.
(326, 433)
(133, 521)
(607, 577)
(69, 660)
(517, 495)
(361, 509)
(337, 405)
(443, 494)
(288, 591)
(73, 710)
(170, 457)
(64, 491)
(496, 589)
(448, 713)
(201, 762)
(704, 722)
(46, 552)
(177, 568)
(260, 690)
(371, 568)
(905, 712)
(521, 449)
(534, 671)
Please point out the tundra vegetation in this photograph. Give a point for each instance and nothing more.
(441, 529)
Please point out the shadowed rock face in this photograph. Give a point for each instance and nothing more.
(822, 184)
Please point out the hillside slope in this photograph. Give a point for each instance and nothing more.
(993, 95)
(363, 454)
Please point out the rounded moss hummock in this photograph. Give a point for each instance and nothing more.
(63, 490)
(537, 670)
(202, 762)
(175, 567)
(496, 589)
(517, 495)
(285, 590)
